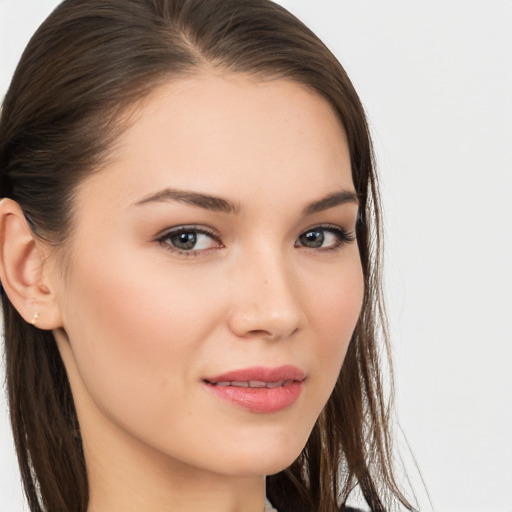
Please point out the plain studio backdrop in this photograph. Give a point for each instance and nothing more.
(436, 81)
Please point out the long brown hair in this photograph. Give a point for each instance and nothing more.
(83, 68)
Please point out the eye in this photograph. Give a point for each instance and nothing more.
(189, 240)
(325, 237)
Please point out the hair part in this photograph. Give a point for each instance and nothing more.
(68, 103)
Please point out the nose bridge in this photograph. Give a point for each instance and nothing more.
(266, 300)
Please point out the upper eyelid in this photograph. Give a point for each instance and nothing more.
(344, 237)
(167, 233)
(213, 233)
(327, 226)
(189, 227)
(330, 227)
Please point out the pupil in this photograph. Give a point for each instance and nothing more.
(312, 239)
(184, 240)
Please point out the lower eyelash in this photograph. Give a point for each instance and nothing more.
(343, 236)
(162, 240)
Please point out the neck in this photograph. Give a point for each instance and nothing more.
(236, 496)
(133, 477)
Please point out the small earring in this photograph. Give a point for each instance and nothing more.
(35, 318)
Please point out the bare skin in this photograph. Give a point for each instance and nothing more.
(165, 288)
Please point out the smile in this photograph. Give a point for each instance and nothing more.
(259, 389)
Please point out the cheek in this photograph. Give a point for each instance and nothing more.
(337, 303)
(335, 312)
(135, 332)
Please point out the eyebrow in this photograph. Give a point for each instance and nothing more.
(330, 201)
(219, 204)
(205, 201)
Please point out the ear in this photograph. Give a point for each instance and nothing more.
(22, 259)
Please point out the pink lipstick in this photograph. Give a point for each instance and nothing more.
(259, 389)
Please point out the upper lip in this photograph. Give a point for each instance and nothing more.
(260, 373)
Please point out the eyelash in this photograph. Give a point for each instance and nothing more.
(343, 236)
(164, 239)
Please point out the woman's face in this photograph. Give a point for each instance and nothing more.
(213, 281)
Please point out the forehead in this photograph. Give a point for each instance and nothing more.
(225, 134)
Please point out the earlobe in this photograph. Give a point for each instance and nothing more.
(21, 269)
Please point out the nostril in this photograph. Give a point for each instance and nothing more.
(275, 334)
(260, 333)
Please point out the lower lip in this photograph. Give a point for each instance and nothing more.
(260, 400)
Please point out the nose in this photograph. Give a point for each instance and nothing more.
(266, 300)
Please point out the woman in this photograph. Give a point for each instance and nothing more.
(189, 253)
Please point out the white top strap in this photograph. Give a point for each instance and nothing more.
(269, 507)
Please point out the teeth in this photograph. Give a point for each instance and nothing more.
(252, 384)
(275, 384)
(257, 384)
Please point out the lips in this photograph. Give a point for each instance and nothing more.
(259, 389)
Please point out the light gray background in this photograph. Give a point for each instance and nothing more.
(436, 80)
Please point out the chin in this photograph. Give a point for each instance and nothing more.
(264, 458)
